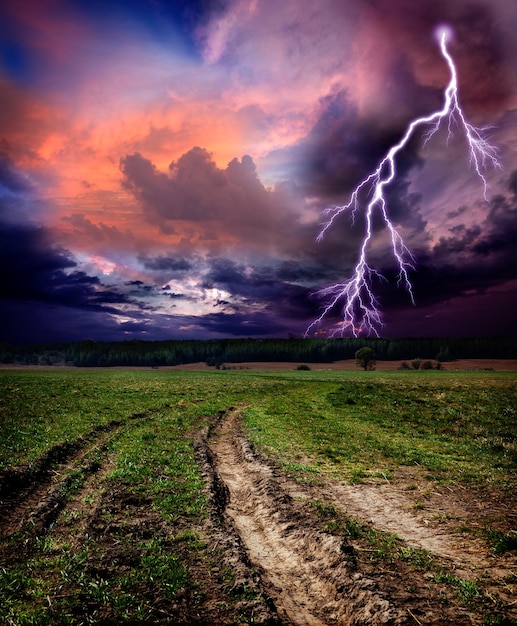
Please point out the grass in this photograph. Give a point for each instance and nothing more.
(457, 427)
(128, 543)
(101, 560)
(383, 547)
(468, 590)
(500, 541)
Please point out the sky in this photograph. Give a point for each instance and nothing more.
(165, 166)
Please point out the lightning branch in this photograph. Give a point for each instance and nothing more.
(360, 308)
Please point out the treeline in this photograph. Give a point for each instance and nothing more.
(218, 351)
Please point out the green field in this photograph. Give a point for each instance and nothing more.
(115, 443)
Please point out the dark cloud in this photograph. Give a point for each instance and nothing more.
(342, 148)
(225, 202)
(457, 212)
(135, 329)
(480, 50)
(35, 268)
(487, 313)
(485, 81)
(405, 209)
(165, 263)
(300, 272)
(348, 140)
(98, 233)
(263, 286)
(467, 275)
(513, 184)
(40, 278)
(472, 258)
(257, 324)
(227, 274)
(140, 287)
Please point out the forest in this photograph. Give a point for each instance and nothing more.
(216, 352)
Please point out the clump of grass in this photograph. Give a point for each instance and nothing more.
(357, 474)
(467, 590)
(500, 541)
(383, 545)
(418, 557)
(336, 521)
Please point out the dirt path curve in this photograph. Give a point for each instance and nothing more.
(312, 576)
(389, 510)
(304, 570)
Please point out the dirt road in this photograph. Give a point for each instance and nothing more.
(317, 577)
(278, 551)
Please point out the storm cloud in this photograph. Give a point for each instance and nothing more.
(170, 178)
(194, 189)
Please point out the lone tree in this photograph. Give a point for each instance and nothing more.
(365, 358)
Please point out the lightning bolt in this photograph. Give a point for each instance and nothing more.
(360, 307)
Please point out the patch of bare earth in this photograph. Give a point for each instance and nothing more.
(101, 517)
(432, 517)
(498, 365)
(268, 558)
(316, 577)
(31, 497)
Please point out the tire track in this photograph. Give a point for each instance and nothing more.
(35, 509)
(305, 571)
(32, 497)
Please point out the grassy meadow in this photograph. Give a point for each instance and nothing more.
(124, 440)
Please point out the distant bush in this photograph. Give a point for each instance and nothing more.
(418, 364)
(444, 355)
(303, 367)
(366, 358)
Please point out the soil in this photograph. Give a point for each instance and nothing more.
(40, 501)
(318, 577)
(304, 570)
(32, 496)
(497, 365)
(274, 560)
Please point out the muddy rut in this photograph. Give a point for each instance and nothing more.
(31, 497)
(311, 575)
(306, 572)
(287, 566)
